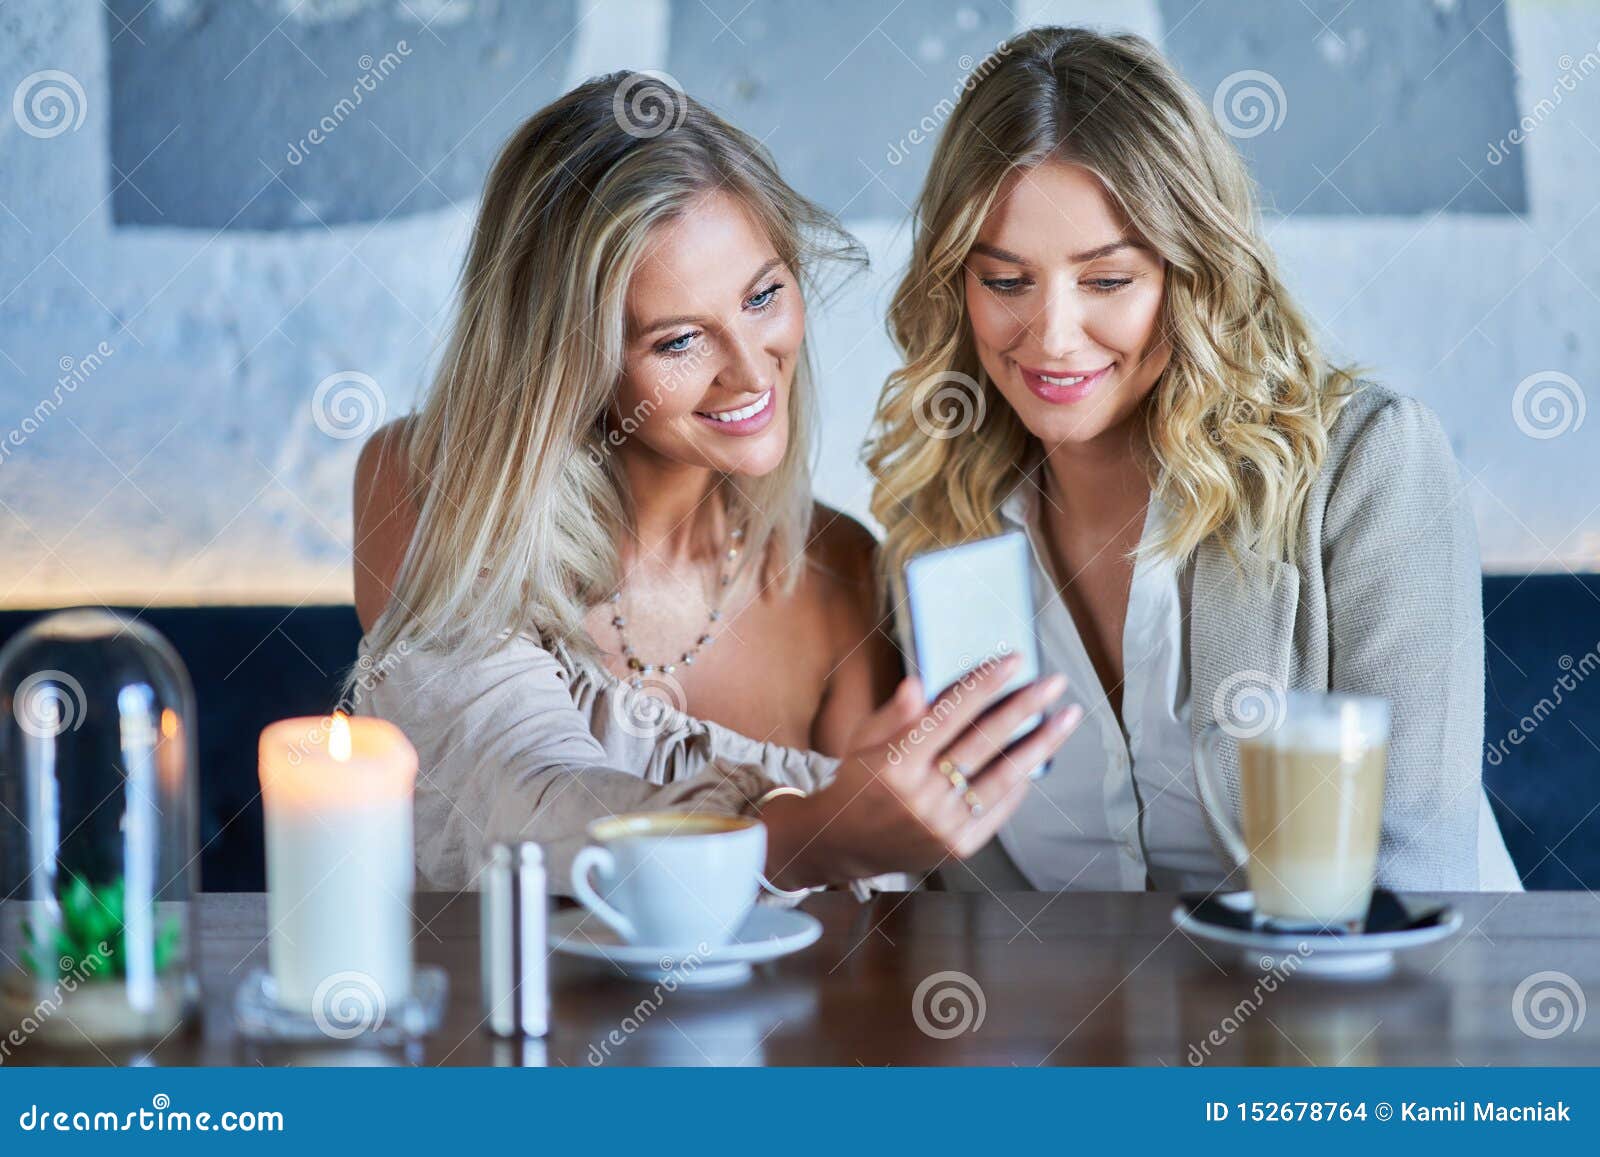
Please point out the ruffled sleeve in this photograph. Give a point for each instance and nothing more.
(531, 743)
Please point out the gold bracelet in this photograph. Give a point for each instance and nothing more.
(777, 792)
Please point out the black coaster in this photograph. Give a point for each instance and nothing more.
(1386, 913)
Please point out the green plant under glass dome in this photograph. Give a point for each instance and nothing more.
(97, 832)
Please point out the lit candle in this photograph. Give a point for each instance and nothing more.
(337, 796)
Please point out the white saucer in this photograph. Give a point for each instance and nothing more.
(1351, 954)
(766, 934)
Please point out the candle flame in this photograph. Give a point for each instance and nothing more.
(170, 752)
(339, 737)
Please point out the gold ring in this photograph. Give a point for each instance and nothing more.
(974, 804)
(954, 772)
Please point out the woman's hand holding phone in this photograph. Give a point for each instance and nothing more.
(891, 805)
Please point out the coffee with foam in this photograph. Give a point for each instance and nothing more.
(1311, 793)
(1312, 813)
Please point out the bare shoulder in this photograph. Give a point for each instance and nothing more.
(381, 469)
(862, 663)
(386, 508)
(841, 550)
(842, 576)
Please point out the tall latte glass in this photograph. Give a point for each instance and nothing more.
(1311, 774)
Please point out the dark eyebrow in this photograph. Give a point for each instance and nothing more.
(1076, 259)
(683, 319)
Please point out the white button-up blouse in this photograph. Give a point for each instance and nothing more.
(1117, 809)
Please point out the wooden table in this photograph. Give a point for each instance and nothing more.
(1067, 979)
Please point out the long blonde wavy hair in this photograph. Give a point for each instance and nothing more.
(1238, 422)
(523, 503)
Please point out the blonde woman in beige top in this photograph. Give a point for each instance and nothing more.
(590, 570)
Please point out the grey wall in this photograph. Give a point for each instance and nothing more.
(202, 306)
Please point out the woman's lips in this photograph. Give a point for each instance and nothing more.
(1050, 388)
(750, 423)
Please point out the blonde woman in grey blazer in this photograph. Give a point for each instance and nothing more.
(1099, 351)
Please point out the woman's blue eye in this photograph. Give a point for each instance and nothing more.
(764, 298)
(1110, 284)
(1003, 284)
(676, 345)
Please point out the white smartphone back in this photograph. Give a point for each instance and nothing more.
(968, 603)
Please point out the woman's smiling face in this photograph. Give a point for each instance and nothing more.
(715, 324)
(1064, 300)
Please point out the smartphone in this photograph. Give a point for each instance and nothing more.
(968, 603)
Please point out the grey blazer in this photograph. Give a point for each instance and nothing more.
(1384, 597)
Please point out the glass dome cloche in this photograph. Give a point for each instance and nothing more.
(97, 831)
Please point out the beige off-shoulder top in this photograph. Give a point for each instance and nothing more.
(536, 741)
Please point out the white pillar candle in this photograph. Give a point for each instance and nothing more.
(337, 796)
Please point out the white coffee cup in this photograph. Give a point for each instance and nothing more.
(672, 880)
